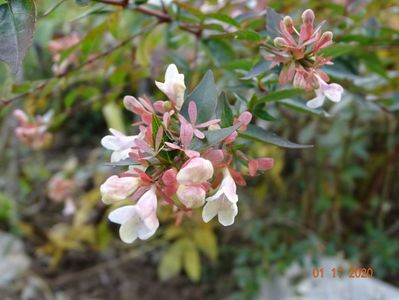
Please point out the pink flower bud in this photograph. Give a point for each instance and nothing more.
(261, 164)
(289, 24)
(191, 196)
(196, 171)
(280, 42)
(118, 188)
(324, 41)
(308, 17)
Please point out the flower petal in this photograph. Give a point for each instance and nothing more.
(209, 211)
(128, 230)
(122, 214)
(315, 102)
(226, 216)
(334, 92)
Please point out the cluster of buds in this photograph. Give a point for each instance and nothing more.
(299, 54)
(33, 133)
(165, 168)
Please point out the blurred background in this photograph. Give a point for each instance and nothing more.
(334, 205)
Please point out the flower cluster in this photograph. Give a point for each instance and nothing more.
(176, 160)
(33, 133)
(301, 59)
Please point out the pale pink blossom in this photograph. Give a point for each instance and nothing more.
(174, 86)
(191, 196)
(60, 189)
(120, 144)
(223, 203)
(118, 188)
(332, 91)
(137, 221)
(196, 171)
(33, 133)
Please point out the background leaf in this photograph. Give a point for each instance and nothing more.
(17, 25)
(258, 134)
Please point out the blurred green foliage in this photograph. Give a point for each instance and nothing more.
(339, 197)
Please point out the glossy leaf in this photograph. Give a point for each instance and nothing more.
(205, 96)
(279, 95)
(300, 105)
(258, 134)
(224, 18)
(261, 112)
(273, 23)
(224, 111)
(17, 24)
(212, 137)
(259, 68)
(220, 51)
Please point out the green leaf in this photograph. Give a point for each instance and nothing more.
(212, 137)
(260, 67)
(273, 23)
(224, 18)
(261, 113)
(206, 242)
(113, 116)
(245, 35)
(256, 133)
(279, 95)
(17, 24)
(224, 111)
(191, 9)
(3, 2)
(82, 2)
(191, 261)
(299, 105)
(338, 50)
(220, 51)
(171, 262)
(156, 124)
(205, 97)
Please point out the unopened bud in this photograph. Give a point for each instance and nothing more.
(308, 17)
(326, 36)
(289, 24)
(279, 42)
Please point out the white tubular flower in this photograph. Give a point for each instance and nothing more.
(174, 86)
(223, 203)
(120, 144)
(118, 188)
(137, 221)
(198, 170)
(191, 196)
(332, 91)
